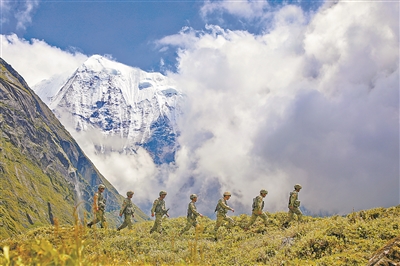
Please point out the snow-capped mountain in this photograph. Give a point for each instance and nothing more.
(120, 101)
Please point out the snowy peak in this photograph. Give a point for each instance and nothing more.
(98, 63)
(135, 84)
(123, 101)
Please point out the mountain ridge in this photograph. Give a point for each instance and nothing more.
(43, 170)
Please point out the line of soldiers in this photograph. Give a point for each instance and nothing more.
(159, 210)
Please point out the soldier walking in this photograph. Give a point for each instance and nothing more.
(127, 210)
(222, 209)
(99, 206)
(159, 210)
(294, 205)
(192, 214)
(258, 206)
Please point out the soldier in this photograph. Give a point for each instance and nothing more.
(294, 205)
(159, 209)
(99, 206)
(127, 210)
(258, 205)
(221, 209)
(192, 214)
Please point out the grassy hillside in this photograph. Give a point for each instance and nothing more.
(337, 240)
(27, 193)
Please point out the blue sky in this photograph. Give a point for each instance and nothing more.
(126, 30)
(305, 91)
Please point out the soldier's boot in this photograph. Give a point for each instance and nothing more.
(89, 225)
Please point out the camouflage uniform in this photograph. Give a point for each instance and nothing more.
(222, 209)
(127, 209)
(99, 206)
(192, 215)
(294, 204)
(258, 206)
(159, 210)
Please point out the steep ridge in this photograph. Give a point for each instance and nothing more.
(122, 102)
(43, 171)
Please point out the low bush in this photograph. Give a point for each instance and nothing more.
(336, 240)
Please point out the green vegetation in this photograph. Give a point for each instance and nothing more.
(43, 171)
(336, 240)
(22, 209)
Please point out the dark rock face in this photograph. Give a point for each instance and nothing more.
(162, 143)
(44, 172)
(389, 255)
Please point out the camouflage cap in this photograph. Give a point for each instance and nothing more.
(163, 192)
(297, 186)
(101, 186)
(263, 191)
(130, 192)
(193, 196)
(227, 193)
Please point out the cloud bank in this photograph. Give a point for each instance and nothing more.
(314, 100)
(36, 60)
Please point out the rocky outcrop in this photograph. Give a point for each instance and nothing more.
(389, 255)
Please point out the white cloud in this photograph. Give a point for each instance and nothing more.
(315, 103)
(36, 60)
(249, 10)
(24, 14)
(5, 8)
(19, 13)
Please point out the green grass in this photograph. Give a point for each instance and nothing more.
(336, 240)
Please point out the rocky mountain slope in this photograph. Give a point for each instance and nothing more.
(121, 102)
(43, 171)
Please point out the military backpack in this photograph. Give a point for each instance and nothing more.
(255, 204)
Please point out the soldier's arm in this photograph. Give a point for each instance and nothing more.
(259, 205)
(292, 200)
(194, 210)
(95, 205)
(154, 207)
(222, 203)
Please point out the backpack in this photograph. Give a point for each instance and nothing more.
(254, 205)
(218, 208)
